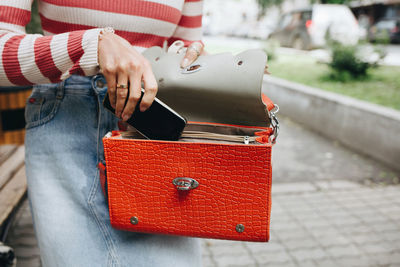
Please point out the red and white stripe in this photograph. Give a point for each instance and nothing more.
(72, 28)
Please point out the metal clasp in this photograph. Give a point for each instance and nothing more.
(274, 123)
(185, 183)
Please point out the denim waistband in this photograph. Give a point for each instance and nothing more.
(75, 85)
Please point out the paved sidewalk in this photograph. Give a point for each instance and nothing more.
(313, 224)
(336, 224)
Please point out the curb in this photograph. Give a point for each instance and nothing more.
(365, 127)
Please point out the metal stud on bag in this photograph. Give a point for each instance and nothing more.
(134, 220)
(240, 228)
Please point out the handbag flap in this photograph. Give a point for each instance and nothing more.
(221, 88)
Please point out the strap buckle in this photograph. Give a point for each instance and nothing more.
(274, 123)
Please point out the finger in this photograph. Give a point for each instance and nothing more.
(192, 53)
(151, 88)
(121, 93)
(111, 79)
(134, 95)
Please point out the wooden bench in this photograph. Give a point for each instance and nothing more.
(12, 184)
(12, 191)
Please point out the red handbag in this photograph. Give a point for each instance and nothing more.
(215, 182)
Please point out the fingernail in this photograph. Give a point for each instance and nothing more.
(125, 117)
(118, 114)
(142, 109)
(185, 63)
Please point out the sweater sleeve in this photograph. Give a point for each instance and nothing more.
(27, 59)
(189, 28)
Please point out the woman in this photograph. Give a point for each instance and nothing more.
(65, 120)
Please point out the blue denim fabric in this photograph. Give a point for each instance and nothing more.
(65, 125)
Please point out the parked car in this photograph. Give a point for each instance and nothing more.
(311, 27)
(388, 28)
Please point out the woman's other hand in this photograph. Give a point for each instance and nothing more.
(123, 66)
(192, 53)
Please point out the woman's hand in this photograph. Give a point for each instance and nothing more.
(123, 66)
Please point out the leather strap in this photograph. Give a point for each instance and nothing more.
(267, 101)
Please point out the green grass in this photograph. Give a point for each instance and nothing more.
(382, 86)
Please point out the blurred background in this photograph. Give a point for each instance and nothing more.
(335, 45)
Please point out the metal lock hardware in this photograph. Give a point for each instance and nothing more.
(185, 183)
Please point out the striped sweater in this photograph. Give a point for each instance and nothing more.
(71, 29)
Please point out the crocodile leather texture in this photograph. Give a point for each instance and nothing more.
(232, 200)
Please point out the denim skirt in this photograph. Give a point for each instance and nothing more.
(65, 123)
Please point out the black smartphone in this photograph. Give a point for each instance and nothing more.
(158, 122)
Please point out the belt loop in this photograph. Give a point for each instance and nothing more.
(60, 90)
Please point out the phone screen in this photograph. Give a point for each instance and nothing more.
(158, 122)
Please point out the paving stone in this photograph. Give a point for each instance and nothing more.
(308, 263)
(384, 258)
(208, 262)
(326, 263)
(355, 262)
(257, 248)
(323, 232)
(205, 250)
(386, 226)
(278, 258)
(285, 225)
(341, 221)
(308, 216)
(389, 210)
(234, 260)
(376, 248)
(308, 254)
(217, 242)
(281, 218)
(301, 244)
(391, 236)
(394, 216)
(292, 234)
(228, 250)
(330, 240)
(342, 251)
(362, 239)
(293, 187)
(341, 184)
(365, 215)
(354, 230)
(395, 257)
(376, 219)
